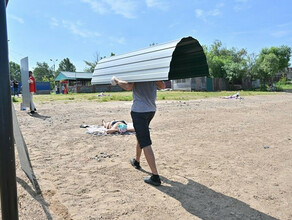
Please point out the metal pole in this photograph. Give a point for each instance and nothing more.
(7, 157)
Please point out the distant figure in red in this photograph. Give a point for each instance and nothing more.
(32, 90)
(65, 90)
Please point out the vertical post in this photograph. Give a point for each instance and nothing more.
(7, 158)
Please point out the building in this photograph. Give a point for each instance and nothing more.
(199, 84)
(80, 82)
(288, 73)
(74, 81)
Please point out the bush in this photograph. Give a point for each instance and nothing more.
(14, 99)
(282, 81)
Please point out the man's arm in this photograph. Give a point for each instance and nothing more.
(160, 84)
(124, 84)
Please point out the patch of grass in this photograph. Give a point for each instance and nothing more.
(127, 96)
(286, 86)
(14, 99)
(179, 95)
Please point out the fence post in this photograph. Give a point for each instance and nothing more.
(7, 156)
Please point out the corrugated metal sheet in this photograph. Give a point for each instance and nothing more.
(73, 76)
(178, 59)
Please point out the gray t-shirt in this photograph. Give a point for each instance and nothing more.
(144, 96)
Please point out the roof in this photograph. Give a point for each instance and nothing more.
(73, 76)
(178, 59)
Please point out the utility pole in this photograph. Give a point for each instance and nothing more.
(54, 65)
(54, 73)
(8, 188)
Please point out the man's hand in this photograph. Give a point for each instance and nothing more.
(123, 84)
(113, 81)
(160, 85)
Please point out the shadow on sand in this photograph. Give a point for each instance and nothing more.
(37, 115)
(36, 196)
(208, 204)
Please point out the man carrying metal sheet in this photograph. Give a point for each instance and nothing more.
(142, 112)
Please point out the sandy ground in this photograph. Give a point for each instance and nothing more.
(218, 159)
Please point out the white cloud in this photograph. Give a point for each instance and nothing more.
(54, 22)
(204, 14)
(16, 18)
(220, 5)
(77, 29)
(285, 25)
(96, 6)
(173, 25)
(240, 5)
(119, 40)
(214, 12)
(280, 34)
(157, 4)
(241, 1)
(126, 8)
(199, 13)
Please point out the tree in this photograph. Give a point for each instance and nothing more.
(251, 68)
(226, 63)
(269, 67)
(44, 73)
(235, 64)
(271, 61)
(215, 60)
(14, 70)
(283, 53)
(92, 65)
(66, 65)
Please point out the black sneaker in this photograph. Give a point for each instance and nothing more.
(135, 163)
(153, 181)
(32, 112)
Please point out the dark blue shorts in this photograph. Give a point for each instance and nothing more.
(141, 121)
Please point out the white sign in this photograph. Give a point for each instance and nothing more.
(24, 79)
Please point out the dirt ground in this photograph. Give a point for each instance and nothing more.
(218, 159)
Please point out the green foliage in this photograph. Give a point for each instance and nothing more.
(66, 65)
(230, 64)
(127, 96)
(14, 70)
(268, 67)
(283, 84)
(282, 81)
(14, 99)
(235, 65)
(92, 64)
(43, 73)
(251, 67)
(271, 61)
(234, 70)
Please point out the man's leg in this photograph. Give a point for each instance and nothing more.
(136, 162)
(148, 152)
(31, 105)
(138, 152)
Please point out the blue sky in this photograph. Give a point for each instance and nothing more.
(78, 29)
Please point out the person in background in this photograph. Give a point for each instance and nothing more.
(117, 126)
(142, 112)
(32, 90)
(15, 87)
